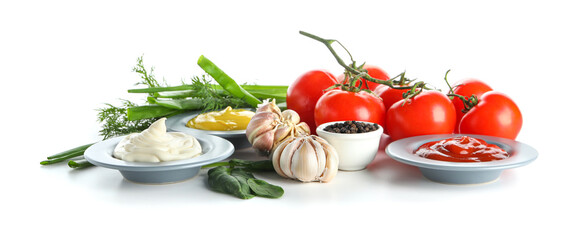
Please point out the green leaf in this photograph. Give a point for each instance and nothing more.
(221, 180)
(238, 172)
(263, 189)
(253, 166)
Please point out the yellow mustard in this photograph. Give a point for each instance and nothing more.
(226, 120)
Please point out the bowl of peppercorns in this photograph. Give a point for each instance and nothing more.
(356, 142)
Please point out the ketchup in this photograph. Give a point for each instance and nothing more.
(461, 149)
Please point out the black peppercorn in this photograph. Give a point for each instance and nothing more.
(351, 127)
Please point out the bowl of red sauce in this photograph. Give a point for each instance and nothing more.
(461, 158)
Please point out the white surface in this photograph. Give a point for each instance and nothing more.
(61, 60)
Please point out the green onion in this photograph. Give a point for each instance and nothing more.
(65, 155)
(149, 111)
(226, 81)
(179, 104)
(79, 164)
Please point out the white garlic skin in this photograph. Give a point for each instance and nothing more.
(270, 126)
(306, 158)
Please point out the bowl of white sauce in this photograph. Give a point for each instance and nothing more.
(156, 156)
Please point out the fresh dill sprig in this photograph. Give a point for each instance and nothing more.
(148, 78)
(115, 122)
(214, 98)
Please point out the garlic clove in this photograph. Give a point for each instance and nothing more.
(320, 155)
(291, 115)
(303, 166)
(268, 106)
(259, 124)
(281, 134)
(301, 129)
(275, 156)
(264, 142)
(332, 160)
(287, 155)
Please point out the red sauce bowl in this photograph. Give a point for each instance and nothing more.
(519, 154)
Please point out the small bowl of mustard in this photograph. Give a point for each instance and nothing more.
(228, 123)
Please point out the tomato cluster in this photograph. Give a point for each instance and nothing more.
(471, 107)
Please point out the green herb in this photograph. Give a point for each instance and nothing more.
(148, 77)
(263, 189)
(235, 178)
(115, 120)
(179, 104)
(68, 154)
(149, 112)
(227, 180)
(251, 166)
(226, 81)
(79, 164)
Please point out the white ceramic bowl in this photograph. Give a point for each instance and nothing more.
(214, 149)
(355, 150)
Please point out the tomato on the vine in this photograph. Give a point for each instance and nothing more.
(467, 88)
(429, 112)
(341, 105)
(305, 91)
(389, 96)
(494, 115)
(374, 72)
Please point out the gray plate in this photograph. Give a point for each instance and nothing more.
(177, 124)
(461, 173)
(214, 149)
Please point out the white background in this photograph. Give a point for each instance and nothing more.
(61, 60)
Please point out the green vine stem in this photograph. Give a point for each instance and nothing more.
(359, 73)
(468, 103)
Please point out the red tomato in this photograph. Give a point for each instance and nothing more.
(430, 112)
(305, 91)
(494, 115)
(339, 105)
(374, 72)
(467, 88)
(389, 96)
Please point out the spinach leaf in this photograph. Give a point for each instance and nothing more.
(238, 172)
(263, 189)
(261, 166)
(253, 166)
(241, 183)
(222, 180)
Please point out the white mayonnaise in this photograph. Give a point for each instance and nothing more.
(155, 144)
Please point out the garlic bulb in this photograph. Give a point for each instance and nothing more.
(270, 126)
(306, 158)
